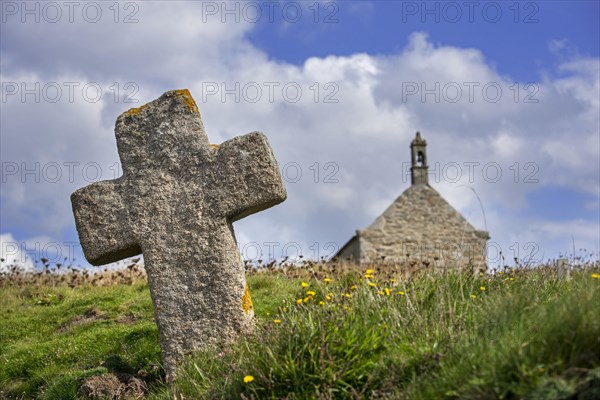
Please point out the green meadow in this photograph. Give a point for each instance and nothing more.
(323, 332)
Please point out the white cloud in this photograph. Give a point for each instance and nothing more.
(366, 133)
(506, 144)
(11, 255)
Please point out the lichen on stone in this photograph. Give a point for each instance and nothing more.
(246, 300)
(189, 100)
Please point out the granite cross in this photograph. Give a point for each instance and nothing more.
(175, 203)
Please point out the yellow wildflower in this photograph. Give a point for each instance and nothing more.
(321, 302)
(348, 295)
(311, 293)
(277, 321)
(369, 272)
(482, 288)
(248, 378)
(328, 297)
(380, 292)
(304, 284)
(401, 293)
(368, 276)
(388, 291)
(327, 280)
(307, 299)
(372, 284)
(595, 276)
(299, 301)
(473, 296)
(353, 287)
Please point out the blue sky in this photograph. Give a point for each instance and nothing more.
(361, 67)
(520, 32)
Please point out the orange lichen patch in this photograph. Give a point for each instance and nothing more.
(135, 111)
(246, 300)
(189, 100)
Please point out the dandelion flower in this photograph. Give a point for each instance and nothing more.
(304, 284)
(353, 287)
(277, 321)
(388, 291)
(372, 284)
(299, 301)
(311, 293)
(321, 302)
(401, 293)
(348, 295)
(328, 297)
(248, 378)
(307, 299)
(482, 288)
(369, 272)
(327, 280)
(595, 276)
(473, 296)
(380, 292)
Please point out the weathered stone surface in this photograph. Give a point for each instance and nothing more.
(175, 203)
(420, 225)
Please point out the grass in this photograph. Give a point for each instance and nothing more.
(324, 333)
(50, 336)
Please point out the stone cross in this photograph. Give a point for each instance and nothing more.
(175, 203)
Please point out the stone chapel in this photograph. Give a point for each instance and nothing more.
(419, 227)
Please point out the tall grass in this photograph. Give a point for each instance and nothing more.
(525, 334)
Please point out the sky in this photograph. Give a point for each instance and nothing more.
(507, 95)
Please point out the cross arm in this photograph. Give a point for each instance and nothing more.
(249, 174)
(101, 218)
